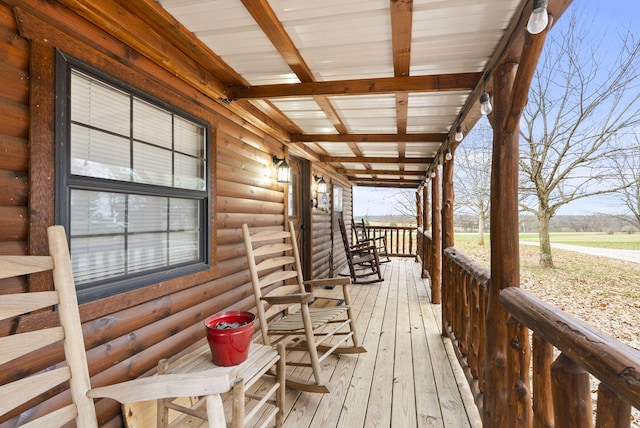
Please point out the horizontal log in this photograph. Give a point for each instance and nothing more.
(14, 153)
(236, 190)
(226, 204)
(14, 84)
(14, 187)
(236, 220)
(264, 178)
(609, 360)
(14, 120)
(14, 224)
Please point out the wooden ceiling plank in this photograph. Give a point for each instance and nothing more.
(430, 137)
(383, 85)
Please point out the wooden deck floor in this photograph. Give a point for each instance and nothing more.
(409, 376)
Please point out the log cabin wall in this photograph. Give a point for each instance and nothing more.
(125, 334)
(328, 257)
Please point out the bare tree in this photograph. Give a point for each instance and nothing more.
(473, 175)
(583, 96)
(628, 172)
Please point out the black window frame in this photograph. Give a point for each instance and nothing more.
(65, 182)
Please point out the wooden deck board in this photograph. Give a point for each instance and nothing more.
(406, 379)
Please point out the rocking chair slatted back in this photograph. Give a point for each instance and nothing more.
(76, 373)
(279, 289)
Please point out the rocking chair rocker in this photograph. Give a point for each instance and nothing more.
(278, 286)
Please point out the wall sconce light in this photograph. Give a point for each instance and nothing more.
(485, 104)
(539, 18)
(321, 185)
(459, 135)
(284, 171)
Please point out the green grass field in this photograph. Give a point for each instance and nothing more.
(621, 241)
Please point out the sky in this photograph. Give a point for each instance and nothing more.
(609, 17)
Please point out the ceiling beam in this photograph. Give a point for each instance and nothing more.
(400, 185)
(372, 159)
(415, 181)
(401, 25)
(378, 172)
(383, 85)
(430, 137)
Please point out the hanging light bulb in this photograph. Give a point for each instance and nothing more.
(459, 135)
(433, 174)
(485, 104)
(448, 156)
(539, 18)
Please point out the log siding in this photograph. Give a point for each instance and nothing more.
(127, 334)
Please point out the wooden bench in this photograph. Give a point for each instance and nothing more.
(189, 411)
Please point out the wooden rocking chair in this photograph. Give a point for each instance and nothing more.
(278, 286)
(24, 387)
(363, 260)
(362, 236)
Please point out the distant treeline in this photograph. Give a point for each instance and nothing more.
(561, 223)
(528, 223)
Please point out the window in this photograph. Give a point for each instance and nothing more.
(131, 184)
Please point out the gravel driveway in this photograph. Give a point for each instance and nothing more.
(612, 253)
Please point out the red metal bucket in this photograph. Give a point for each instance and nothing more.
(229, 346)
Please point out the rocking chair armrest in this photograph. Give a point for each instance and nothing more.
(289, 299)
(328, 282)
(362, 246)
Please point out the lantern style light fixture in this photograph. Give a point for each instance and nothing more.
(459, 136)
(284, 171)
(539, 18)
(485, 104)
(321, 185)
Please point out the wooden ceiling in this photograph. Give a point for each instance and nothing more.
(371, 88)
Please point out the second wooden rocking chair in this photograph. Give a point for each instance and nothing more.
(278, 285)
(363, 260)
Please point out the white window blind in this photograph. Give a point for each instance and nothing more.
(137, 188)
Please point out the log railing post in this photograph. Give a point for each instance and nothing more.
(612, 412)
(571, 394)
(542, 401)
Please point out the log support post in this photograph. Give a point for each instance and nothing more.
(447, 240)
(436, 237)
(507, 398)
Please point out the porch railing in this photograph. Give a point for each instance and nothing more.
(401, 240)
(560, 387)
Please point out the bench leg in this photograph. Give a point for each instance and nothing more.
(215, 411)
(238, 404)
